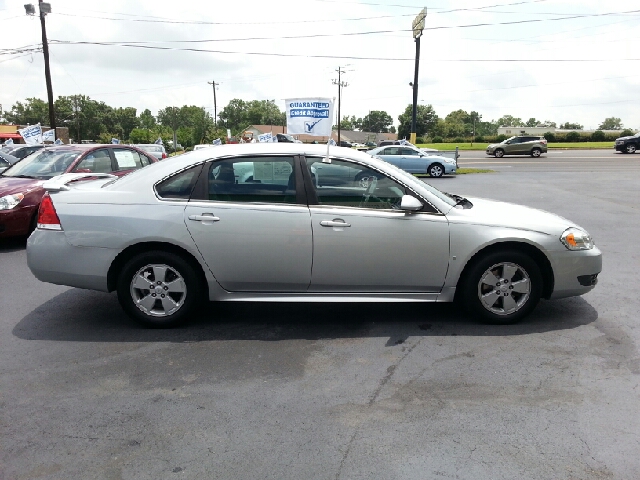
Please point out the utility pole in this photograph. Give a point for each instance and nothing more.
(417, 26)
(215, 104)
(45, 8)
(340, 84)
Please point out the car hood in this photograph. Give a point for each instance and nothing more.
(626, 138)
(493, 145)
(504, 214)
(13, 185)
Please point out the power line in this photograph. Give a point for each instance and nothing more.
(346, 57)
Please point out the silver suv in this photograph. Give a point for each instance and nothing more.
(520, 145)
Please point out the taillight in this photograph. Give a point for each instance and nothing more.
(544, 141)
(164, 155)
(47, 216)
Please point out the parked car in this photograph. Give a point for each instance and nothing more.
(21, 188)
(384, 143)
(414, 160)
(286, 138)
(21, 151)
(344, 143)
(628, 144)
(6, 160)
(202, 145)
(519, 145)
(185, 230)
(155, 149)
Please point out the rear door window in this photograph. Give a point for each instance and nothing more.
(127, 159)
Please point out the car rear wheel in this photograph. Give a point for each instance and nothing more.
(436, 170)
(631, 148)
(499, 153)
(502, 287)
(536, 152)
(158, 289)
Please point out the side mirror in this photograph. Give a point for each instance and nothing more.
(410, 204)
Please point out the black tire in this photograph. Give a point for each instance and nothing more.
(435, 170)
(536, 152)
(499, 153)
(526, 275)
(631, 148)
(180, 286)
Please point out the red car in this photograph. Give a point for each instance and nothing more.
(21, 185)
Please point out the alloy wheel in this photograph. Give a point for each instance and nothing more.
(504, 288)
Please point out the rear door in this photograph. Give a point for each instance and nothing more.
(250, 221)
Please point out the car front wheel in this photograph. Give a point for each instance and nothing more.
(436, 170)
(502, 287)
(158, 289)
(499, 153)
(631, 148)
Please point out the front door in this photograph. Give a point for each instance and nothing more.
(251, 227)
(363, 243)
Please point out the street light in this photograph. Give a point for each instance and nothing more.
(417, 26)
(44, 9)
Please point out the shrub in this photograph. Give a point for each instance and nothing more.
(420, 140)
(501, 138)
(598, 136)
(573, 137)
(479, 139)
(551, 137)
(625, 133)
(437, 140)
(459, 140)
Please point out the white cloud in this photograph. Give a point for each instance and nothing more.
(584, 92)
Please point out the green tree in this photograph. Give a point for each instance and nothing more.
(85, 118)
(126, 119)
(142, 135)
(234, 115)
(571, 126)
(532, 122)
(426, 120)
(611, 123)
(200, 124)
(377, 121)
(509, 121)
(31, 112)
(146, 120)
(172, 117)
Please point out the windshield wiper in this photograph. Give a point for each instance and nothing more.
(463, 202)
(20, 176)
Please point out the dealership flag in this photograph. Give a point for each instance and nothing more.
(9, 142)
(309, 116)
(32, 134)
(158, 141)
(217, 141)
(115, 141)
(58, 142)
(49, 136)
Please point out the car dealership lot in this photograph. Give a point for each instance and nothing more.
(341, 391)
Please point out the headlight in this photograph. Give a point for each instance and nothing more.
(576, 239)
(450, 160)
(10, 201)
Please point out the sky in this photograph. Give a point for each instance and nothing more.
(558, 60)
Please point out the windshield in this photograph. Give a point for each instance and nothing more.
(43, 164)
(508, 139)
(150, 148)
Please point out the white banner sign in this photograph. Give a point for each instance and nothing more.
(217, 141)
(32, 134)
(310, 116)
(115, 141)
(265, 137)
(49, 136)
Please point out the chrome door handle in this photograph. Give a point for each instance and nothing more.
(207, 217)
(333, 223)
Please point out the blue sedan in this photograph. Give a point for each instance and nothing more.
(413, 160)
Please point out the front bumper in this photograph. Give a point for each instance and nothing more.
(52, 259)
(575, 272)
(620, 148)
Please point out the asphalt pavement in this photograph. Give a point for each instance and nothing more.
(357, 391)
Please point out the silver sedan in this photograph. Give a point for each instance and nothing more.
(199, 227)
(414, 160)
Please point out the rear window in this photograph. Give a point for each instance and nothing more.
(179, 186)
